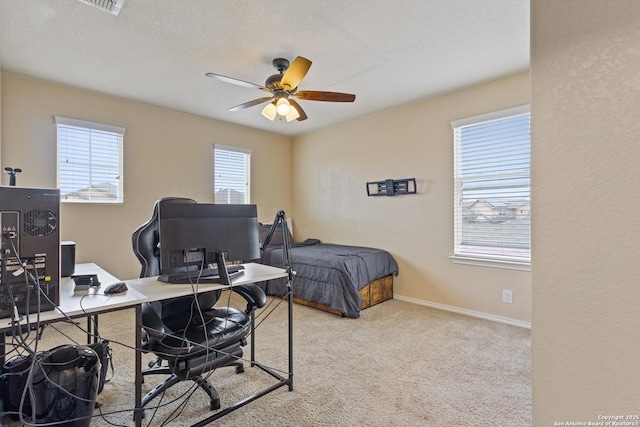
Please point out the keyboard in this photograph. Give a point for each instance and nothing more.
(208, 275)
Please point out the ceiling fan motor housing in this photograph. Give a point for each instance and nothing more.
(273, 81)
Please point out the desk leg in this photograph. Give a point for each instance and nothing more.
(137, 412)
(92, 329)
(290, 337)
(253, 337)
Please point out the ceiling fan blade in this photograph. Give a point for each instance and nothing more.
(295, 73)
(251, 103)
(236, 81)
(303, 115)
(315, 95)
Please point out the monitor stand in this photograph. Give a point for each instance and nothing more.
(224, 276)
(223, 273)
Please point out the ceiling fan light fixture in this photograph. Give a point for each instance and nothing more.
(283, 106)
(270, 111)
(293, 114)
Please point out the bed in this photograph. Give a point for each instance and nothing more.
(340, 279)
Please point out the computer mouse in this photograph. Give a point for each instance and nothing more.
(115, 288)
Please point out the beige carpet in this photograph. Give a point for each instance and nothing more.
(399, 364)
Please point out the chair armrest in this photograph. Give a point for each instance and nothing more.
(153, 328)
(256, 298)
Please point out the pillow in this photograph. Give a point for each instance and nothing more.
(276, 238)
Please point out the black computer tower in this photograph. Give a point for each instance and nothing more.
(29, 221)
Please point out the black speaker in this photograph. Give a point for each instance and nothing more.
(67, 258)
(63, 384)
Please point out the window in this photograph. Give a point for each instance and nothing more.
(232, 173)
(492, 213)
(89, 162)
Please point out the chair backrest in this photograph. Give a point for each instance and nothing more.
(145, 239)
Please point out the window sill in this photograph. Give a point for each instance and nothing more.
(491, 262)
(92, 202)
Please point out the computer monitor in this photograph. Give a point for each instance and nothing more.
(196, 235)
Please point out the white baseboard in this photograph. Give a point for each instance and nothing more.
(505, 320)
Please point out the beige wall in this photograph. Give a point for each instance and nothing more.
(330, 171)
(585, 160)
(165, 154)
(324, 192)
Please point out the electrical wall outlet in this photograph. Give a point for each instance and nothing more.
(507, 296)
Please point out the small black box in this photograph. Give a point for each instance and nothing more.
(67, 258)
(84, 281)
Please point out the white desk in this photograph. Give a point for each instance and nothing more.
(84, 303)
(154, 290)
(93, 302)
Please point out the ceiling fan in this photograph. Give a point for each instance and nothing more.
(283, 88)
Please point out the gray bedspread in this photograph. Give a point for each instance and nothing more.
(330, 274)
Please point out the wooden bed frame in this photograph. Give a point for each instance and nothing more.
(375, 292)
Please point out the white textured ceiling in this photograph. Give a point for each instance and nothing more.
(388, 53)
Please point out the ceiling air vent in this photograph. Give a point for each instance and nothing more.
(111, 6)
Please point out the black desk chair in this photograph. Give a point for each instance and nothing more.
(190, 336)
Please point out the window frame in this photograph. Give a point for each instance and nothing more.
(246, 152)
(116, 133)
(486, 259)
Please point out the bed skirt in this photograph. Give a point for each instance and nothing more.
(375, 292)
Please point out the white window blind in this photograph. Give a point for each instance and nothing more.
(492, 187)
(232, 175)
(89, 161)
